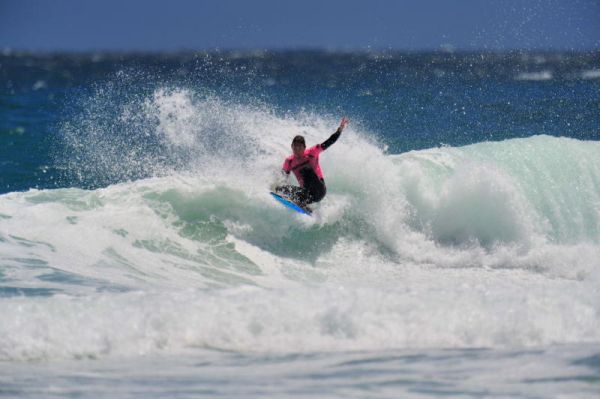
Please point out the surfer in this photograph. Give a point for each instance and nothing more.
(305, 165)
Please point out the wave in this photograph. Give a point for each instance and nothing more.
(197, 254)
(526, 203)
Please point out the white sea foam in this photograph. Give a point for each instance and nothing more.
(425, 310)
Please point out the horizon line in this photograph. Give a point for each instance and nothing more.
(8, 51)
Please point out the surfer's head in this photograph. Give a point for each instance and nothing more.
(298, 146)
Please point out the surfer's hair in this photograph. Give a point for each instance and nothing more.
(299, 140)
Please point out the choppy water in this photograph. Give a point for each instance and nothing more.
(456, 253)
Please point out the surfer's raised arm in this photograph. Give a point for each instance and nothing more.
(333, 138)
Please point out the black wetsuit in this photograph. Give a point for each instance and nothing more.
(313, 189)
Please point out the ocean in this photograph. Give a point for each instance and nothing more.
(456, 254)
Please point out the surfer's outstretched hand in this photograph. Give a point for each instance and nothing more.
(343, 124)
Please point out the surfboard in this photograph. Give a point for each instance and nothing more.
(290, 204)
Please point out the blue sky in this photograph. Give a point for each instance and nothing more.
(152, 25)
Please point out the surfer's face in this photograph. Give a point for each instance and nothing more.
(298, 149)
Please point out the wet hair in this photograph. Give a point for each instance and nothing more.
(299, 140)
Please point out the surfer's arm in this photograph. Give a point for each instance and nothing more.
(280, 179)
(286, 169)
(333, 138)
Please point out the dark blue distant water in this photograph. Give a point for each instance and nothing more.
(406, 101)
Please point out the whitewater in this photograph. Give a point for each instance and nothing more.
(481, 260)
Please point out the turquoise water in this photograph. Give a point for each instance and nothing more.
(456, 253)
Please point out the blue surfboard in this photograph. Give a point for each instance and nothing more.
(290, 204)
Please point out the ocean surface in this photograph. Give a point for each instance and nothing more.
(457, 253)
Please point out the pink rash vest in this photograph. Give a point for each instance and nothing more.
(310, 158)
